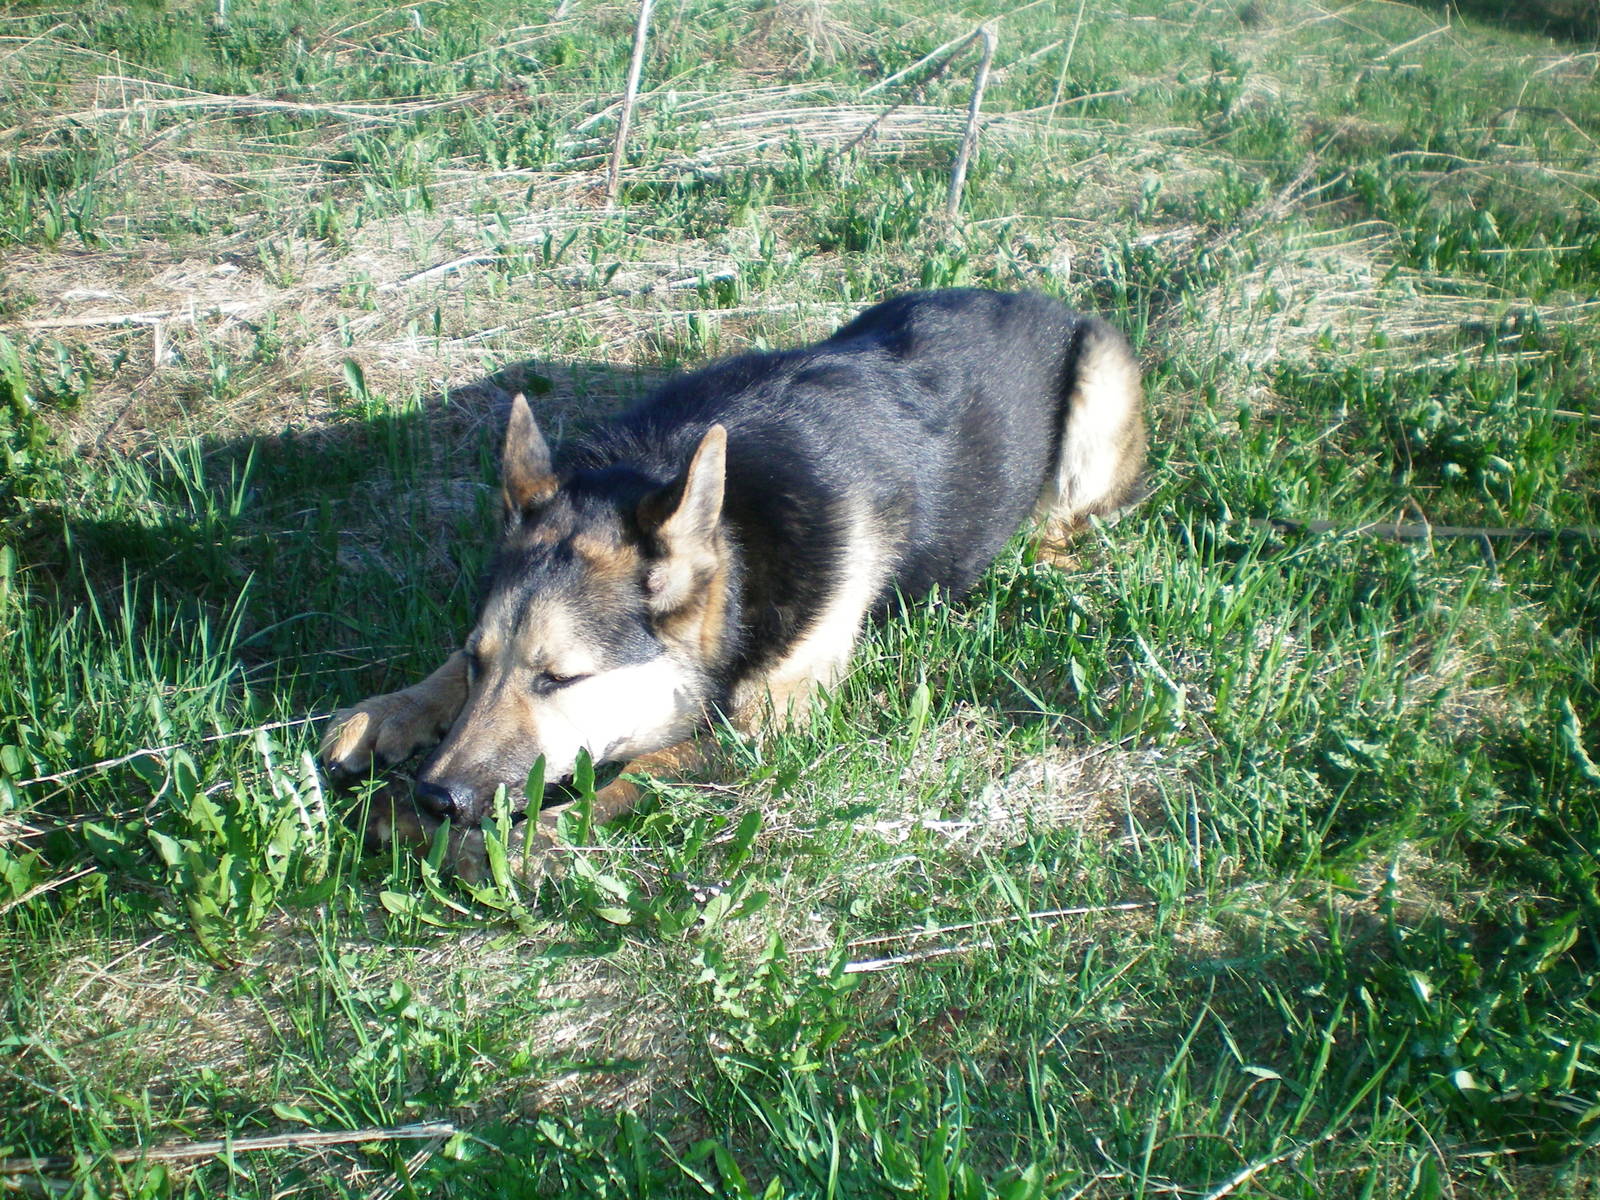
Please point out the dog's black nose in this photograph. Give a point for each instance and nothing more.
(438, 800)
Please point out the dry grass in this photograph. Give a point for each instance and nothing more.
(367, 297)
(164, 316)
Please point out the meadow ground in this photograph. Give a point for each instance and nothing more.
(1233, 859)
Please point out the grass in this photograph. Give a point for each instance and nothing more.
(1224, 861)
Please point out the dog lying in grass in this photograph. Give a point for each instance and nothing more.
(717, 549)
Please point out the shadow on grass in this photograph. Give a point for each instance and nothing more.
(345, 541)
(1282, 1019)
(1570, 20)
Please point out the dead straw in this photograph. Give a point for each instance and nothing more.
(630, 96)
(1418, 531)
(106, 764)
(969, 142)
(1047, 916)
(182, 1151)
(1066, 61)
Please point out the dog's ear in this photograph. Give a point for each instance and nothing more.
(526, 478)
(684, 517)
(689, 508)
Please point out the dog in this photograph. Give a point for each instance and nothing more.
(717, 550)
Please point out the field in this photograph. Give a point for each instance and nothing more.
(1253, 852)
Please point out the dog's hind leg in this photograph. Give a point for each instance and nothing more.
(535, 844)
(622, 794)
(383, 730)
(1102, 440)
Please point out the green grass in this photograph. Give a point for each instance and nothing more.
(1221, 861)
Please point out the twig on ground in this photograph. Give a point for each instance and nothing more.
(865, 966)
(1066, 62)
(28, 43)
(192, 314)
(969, 142)
(1421, 37)
(1412, 531)
(604, 112)
(1246, 1173)
(953, 47)
(389, 112)
(868, 966)
(39, 889)
(872, 125)
(630, 94)
(106, 764)
(182, 1151)
(444, 268)
(950, 51)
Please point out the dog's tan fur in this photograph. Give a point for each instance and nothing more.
(463, 720)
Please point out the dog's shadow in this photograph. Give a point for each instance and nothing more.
(344, 557)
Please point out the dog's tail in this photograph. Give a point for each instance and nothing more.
(1102, 441)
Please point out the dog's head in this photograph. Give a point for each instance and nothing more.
(605, 614)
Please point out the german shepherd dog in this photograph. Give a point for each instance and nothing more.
(717, 549)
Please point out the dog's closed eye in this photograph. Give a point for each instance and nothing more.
(548, 681)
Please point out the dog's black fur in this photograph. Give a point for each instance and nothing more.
(941, 411)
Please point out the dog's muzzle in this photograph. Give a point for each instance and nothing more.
(445, 803)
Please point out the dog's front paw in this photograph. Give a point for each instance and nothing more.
(390, 815)
(378, 732)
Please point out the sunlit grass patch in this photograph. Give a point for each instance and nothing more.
(1245, 853)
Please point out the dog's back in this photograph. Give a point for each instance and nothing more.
(995, 393)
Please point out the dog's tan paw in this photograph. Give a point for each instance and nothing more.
(390, 816)
(380, 731)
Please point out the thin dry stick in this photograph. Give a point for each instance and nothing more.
(191, 314)
(444, 268)
(29, 42)
(868, 966)
(150, 751)
(1247, 1173)
(1066, 62)
(630, 95)
(1418, 532)
(960, 44)
(969, 143)
(595, 118)
(954, 46)
(1048, 914)
(180, 1151)
(392, 113)
(1421, 37)
(39, 889)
